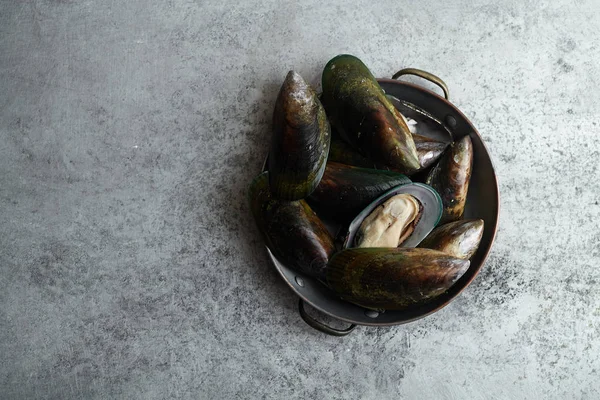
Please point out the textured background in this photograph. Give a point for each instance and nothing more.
(130, 266)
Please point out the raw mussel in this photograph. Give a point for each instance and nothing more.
(359, 109)
(402, 216)
(459, 239)
(450, 177)
(293, 232)
(345, 190)
(300, 141)
(392, 278)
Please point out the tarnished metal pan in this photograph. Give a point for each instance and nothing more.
(482, 202)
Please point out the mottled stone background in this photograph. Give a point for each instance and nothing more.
(130, 267)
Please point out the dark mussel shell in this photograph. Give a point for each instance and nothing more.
(392, 278)
(427, 124)
(459, 239)
(293, 232)
(359, 109)
(450, 177)
(340, 151)
(300, 141)
(344, 191)
(428, 150)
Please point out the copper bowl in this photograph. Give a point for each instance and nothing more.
(482, 202)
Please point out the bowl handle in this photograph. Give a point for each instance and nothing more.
(425, 75)
(321, 326)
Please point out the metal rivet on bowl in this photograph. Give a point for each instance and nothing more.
(451, 121)
(371, 313)
(300, 281)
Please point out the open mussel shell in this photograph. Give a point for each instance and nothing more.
(459, 239)
(392, 278)
(292, 231)
(451, 176)
(359, 109)
(300, 140)
(345, 190)
(430, 216)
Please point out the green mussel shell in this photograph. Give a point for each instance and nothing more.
(359, 109)
(451, 176)
(343, 153)
(292, 231)
(300, 141)
(344, 191)
(392, 278)
(459, 239)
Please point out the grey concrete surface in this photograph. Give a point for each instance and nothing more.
(130, 267)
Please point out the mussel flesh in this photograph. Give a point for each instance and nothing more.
(293, 232)
(300, 140)
(392, 278)
(459, 239)
(411, 218)
(359, 109)
(345, 190)
(391, 223)
(450, 177)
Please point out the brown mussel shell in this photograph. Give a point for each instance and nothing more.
(459, 239)
(293, 232)
(392, 278)
(300, 140)
(450, 177)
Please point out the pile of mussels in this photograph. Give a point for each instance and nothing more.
(347, 155)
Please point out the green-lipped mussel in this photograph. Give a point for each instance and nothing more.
(359, 109)
(392, 278)
(401, 220)
(345, 190)
(293, 232)
(451, 176)
(390, 224)
(300, 140)
(459, 239)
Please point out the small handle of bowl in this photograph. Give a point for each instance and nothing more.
(321, 326)
(425, 75)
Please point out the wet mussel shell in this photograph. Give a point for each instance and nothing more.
(459, 238)
(291, 229)
(392, 278)
(340, 151)
(300, 141)
(432, 212)
(365, 118)
(344, 191)
(451, 176)
(428, 150)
